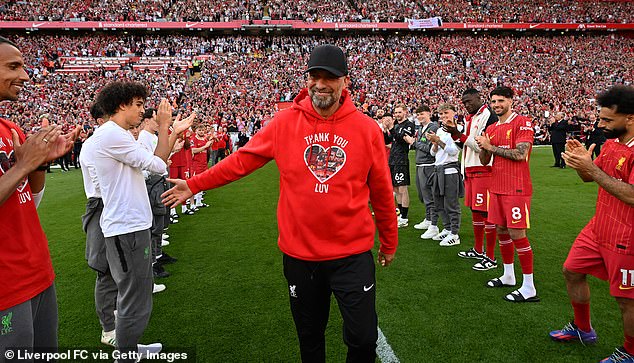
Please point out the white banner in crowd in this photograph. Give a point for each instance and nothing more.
(434, 22)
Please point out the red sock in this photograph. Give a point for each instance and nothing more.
(492, 234)
(582, 316)
(525, 254)
(506, 249)
(478, 231)
(629, 344)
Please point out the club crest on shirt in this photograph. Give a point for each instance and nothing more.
(508, 134)
(621, 162)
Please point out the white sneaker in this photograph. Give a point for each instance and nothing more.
(402, 223)
(166, 236)
(158, 288)
(165, 243)
(423, 225)
(440, 236)
(146, 350)
(450, 240)
(430, 233)
(109, 338)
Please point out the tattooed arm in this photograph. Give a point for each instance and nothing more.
(517, 154)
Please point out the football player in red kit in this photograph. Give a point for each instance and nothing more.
(510, 140)
(200, 147)
(604, 247)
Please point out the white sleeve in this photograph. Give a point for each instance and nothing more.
(145, 142)
(472, 144)
(122, 147)
(37, 197)
(450, 146)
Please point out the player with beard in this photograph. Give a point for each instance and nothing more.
(510, 140)
(604, 247)
(331, 159)
(398, 161)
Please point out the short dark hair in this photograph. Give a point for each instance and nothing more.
(149, 113)
(620, 96)
(119, 93)
(5, 40)
(96, 112)
(471, 91)
(423, 108)
(503, 91)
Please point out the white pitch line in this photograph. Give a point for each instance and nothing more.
(384, 350)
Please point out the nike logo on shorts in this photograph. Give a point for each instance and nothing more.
(366, 289)
(621, 287)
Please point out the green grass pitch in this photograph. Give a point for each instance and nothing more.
(228, 300)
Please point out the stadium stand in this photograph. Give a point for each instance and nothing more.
(557, 11)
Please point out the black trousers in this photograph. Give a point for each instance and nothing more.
(558, 148)
(352, 281)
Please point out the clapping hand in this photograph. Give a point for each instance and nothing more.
(431, 136)
(484, 142)
(577, 157)
(181, 126)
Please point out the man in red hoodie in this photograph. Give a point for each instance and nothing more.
(331, 159)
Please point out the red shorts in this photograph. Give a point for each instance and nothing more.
(510, 211)
(588, 257)
(475, 193)
(179, 172)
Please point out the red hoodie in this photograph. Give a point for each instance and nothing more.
(323, 211)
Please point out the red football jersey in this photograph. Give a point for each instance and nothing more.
(180, 158)
(510, 177)
(614, 219)
(200, 158)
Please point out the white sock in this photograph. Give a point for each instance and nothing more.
(199, 199)
(528, 288)
(509, 274)
(183, 208)
(173, 211)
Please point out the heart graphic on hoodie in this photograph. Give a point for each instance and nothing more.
(6, 162)
(324, 163)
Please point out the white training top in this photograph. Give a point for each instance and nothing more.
(447, 155)
(88, 171)
(119, 160)
(149, 142)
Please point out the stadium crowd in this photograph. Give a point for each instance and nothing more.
(542, 11)
(246, 76)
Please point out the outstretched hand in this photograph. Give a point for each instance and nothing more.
(178, 194)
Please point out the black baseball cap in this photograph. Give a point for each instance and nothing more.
(330, 58)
